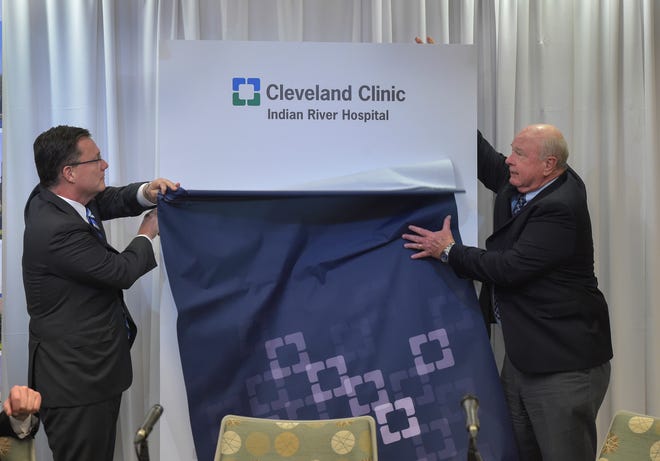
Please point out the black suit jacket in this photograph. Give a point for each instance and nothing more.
(79, 343)
(541, 263)
(7, 431)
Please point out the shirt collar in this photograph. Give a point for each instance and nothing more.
(530, 195)
(79, 207)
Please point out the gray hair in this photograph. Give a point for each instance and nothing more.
(555, 146)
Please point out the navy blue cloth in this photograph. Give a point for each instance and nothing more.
(307, 306)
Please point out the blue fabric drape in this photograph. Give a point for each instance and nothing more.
(307, 306)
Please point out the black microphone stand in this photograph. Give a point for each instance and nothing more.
(142, 450)
(141, 447)
(473, 451)
(470, 404)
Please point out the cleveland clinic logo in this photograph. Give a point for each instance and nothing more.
(246, 91)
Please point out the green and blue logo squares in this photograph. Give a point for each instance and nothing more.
(246, 91)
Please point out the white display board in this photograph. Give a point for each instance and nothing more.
(288, 115)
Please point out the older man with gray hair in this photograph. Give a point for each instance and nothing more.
(539, 284)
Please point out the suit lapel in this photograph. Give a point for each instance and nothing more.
(503, 207)
(49, 196)
(503, 215)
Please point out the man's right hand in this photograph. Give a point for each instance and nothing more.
(149, 226)
(22, 402)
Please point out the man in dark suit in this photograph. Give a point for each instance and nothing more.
(80, 328)
(538, 282)
(18, 418)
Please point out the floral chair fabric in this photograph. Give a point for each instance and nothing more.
(632, 437)
(347, 439)
(12, 449)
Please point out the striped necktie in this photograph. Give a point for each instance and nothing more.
(520, 203)
(95, 225)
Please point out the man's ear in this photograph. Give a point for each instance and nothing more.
(68, 174)
(550, 164)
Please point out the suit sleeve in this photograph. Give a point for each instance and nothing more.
(7, 431)
(492, 170)
(75, 253)
(119, 202)
(5, 427)
(544, 241)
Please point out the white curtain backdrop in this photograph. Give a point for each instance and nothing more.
(587, 66)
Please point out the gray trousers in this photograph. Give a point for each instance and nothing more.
(554, 414)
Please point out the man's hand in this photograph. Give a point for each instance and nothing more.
(22, 402)
(158, 185)
(428, 243)
(149, 226)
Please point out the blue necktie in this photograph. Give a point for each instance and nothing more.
(95, 225)
(520, 203)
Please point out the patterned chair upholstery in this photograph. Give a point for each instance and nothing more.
(346, 439)
(632, 437)
(12, 449)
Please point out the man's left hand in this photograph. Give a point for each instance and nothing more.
(158, 185)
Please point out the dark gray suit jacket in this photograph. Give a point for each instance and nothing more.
(541, 262)
(7, 431)
(79, 344)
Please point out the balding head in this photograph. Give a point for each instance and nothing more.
(538, 155)
(550, 141)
